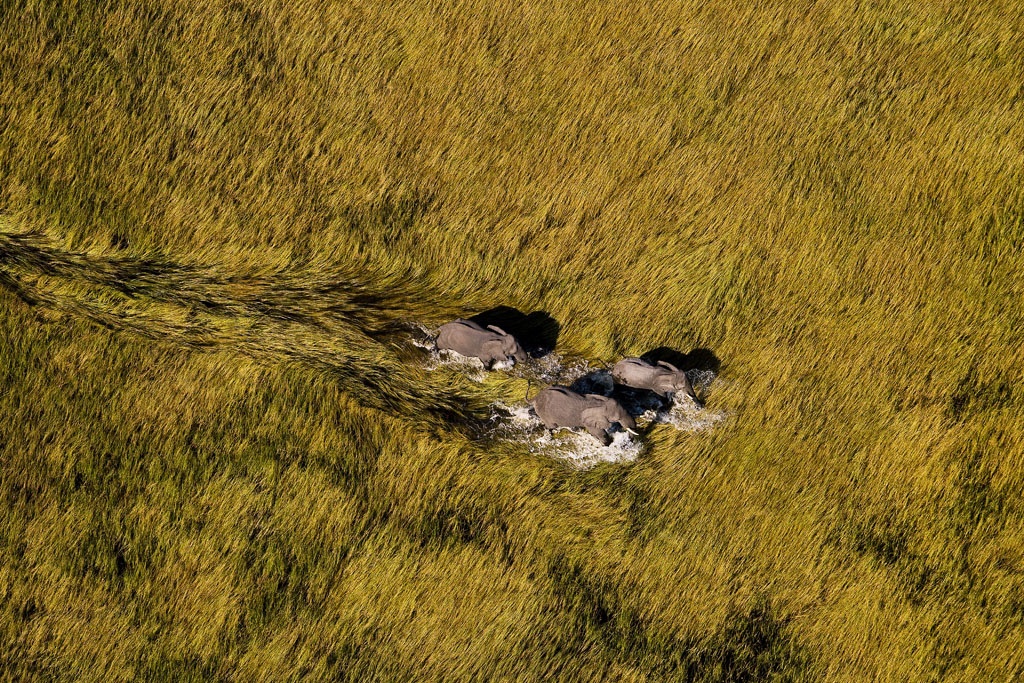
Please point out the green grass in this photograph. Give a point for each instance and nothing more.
(217, 461)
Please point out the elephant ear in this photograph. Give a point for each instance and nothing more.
(497, 329)
(493, 348)
(597, 396)
(668, 365)
(594, 417)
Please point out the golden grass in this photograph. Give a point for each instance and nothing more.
(217, 464)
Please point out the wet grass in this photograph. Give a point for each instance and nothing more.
(220, 459)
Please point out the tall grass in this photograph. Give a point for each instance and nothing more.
(216, 461)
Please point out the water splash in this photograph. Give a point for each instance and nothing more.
(646, 406)
(423, 338)
(549, 369)
(555, 368)
(683, 413)
(578, 448)
(519, 423)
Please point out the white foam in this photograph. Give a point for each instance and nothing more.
(423, 338)
(578, 448)
(584, 451)
(686, 416)
(553, 368)
(682, 413)
(472, 368)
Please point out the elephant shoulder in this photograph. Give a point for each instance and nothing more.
(560, 395)
(634, 365)
(462, 323)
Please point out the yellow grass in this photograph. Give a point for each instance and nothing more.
(217, 460)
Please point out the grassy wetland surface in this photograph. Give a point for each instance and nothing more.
(217, 462)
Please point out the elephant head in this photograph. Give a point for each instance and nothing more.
(604, 411)
(677, 381)
(506, 345)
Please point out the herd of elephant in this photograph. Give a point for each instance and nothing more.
(561, 407)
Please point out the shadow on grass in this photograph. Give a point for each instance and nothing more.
(697, 359)
(537, 332)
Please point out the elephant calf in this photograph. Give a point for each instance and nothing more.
(489, 345)
(664, 379)
(563, 407)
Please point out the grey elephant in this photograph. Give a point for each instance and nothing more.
(563, 407)
(664, 379)
(489, 345)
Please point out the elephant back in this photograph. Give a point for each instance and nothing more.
(560, 402)
(463, 336)
(634, 372)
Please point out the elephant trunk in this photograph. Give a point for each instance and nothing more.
(685, 387)
(688, 390)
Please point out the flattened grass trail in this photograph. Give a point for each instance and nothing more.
(336, 325)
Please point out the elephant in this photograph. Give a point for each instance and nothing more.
(664, 379)
(489, 345)
(563, 407)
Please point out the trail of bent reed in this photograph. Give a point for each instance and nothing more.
(347, 326)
